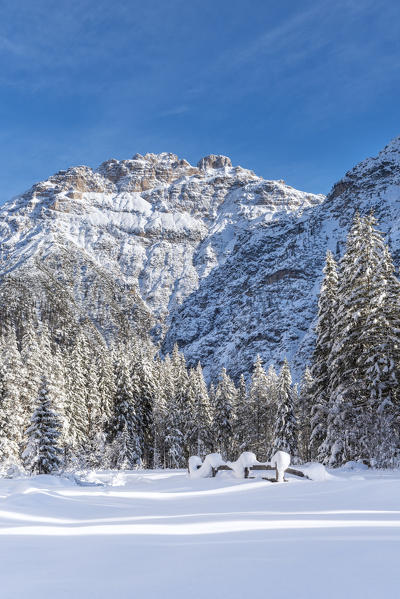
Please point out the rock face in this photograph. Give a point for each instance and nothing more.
(224, 262)
(214, 162)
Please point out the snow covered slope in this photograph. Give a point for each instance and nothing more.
(160, 534)
(263, 298)
(212, 256)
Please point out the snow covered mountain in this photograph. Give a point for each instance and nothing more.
(223, 261)
(263, 298)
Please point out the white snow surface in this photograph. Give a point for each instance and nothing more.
(316, 472)
(162, 534)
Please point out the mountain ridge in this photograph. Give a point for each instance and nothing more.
(212, 256)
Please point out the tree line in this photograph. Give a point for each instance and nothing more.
(124, 406)
(85, 404)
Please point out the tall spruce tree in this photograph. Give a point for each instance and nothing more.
(202, 437)
(304, 406)
(348, 410)
(160, 411)
(224, 414)
(243, 421)
(260, 426)
(361, 359)
(380, 360)
(173, 440)
(126, 450)
(106, 387)
(11, 407)
(177, 451)
(77, 400)
(42, 454)
(33, 367)
(320, 373)
(144, 389)
(286, 426)
(273, 394)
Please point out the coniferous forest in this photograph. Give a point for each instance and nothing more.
(71, 404)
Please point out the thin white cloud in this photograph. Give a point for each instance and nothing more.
(175, 110)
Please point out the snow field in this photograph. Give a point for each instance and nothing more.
(163, 534)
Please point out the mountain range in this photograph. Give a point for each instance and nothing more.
(213, 257)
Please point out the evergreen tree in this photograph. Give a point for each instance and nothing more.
(42, 453)
(320, 373)
(106, 387)
(286, 427)
(33, 366)
(224, 414)
(243, 421)
(381, 357)
(360, 360)
(177, 451)
(143, 385)
(261, 431)
(57, 376)
(273, 394)
(304, 415)
(126, 453)
(11, 408)
(201, 438)
(76, 401)
(160, 411)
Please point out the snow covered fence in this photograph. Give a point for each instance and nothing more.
(210, 466)
(246, 462)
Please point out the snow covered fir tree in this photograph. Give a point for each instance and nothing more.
(70, 399)
(42, 453)
(355, 394)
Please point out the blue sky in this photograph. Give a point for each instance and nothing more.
(299, 91)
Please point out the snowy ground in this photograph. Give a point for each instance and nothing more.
(160, 534)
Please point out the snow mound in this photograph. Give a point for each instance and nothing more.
(281, 461)
(351, 466)
(212, 460)
(246, 460)
(11, 470)
(316, 472)
(194, 464)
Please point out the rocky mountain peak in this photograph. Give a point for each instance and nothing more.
(372, 175)
(392, 150)
(214, 161)
(70, 183)
(145, 172)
